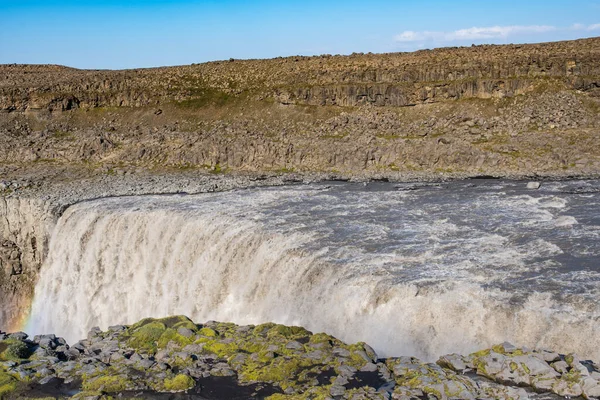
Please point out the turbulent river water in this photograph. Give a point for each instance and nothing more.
(412, 269)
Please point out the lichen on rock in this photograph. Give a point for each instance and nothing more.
(273, 361)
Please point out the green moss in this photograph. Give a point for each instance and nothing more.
(227, 329)
(186, 324)
(223, 350)
(207, 332)
(206, 97)
(482, 353)
(8, 384)
(262, 329)
(433, 391)
(141, 323)
(146, 336)
(250, 346)
(569, 359)
(218, 169)
(288, 332)
(91, 394)
(169, 322)
(110, 384)
(356, 360)
(323, 338)
(171, 335)
(179, 383)
(14, 349)
(280, 370)
(177, 320)
(315, 393)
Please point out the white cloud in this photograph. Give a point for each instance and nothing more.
(407, 36)
(497, 32)
(594, 27)
(474, 33)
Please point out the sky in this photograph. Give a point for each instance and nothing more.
(110, 34)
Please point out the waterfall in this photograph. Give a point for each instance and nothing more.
(211, 257)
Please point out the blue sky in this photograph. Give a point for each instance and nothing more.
(135, 33)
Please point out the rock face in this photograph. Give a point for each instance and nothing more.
(399, 79)
(484, 110)
(25, 226)
(153, 358)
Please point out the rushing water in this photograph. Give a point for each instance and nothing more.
(411, 269)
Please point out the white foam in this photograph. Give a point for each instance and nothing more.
(565, 220)
(552, 202)
(214, 257)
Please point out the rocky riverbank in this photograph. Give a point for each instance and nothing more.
(175, 358)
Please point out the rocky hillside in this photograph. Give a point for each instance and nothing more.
(493, 110)
(174, 358)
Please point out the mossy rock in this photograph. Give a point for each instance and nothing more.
(14, 349)
(185, 324)
(226, 329)
(89, 394)
(171, 335)
(223, 350)
(208, 332)
(281, 371)
(288, 332)
(146, 336)
(324, 338)
(262, 329)
(107, 384)
(179, 383)
(8, 384)
(315, 393)
(170, 322)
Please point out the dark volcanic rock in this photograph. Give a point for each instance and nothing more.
(226, 361)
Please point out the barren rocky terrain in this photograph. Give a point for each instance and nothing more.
(482, 110)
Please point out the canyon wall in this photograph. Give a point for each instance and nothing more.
(496, 110)
(25, 228)
(394, 79)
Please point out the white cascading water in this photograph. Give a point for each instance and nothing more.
(323, 258)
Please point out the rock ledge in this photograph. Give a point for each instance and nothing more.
(175, 358)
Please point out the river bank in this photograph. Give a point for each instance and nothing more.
(176, 358)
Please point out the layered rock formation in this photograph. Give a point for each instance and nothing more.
(25, 227)
(395, 79)
(493, 110)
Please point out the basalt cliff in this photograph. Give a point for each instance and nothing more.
(481, 110)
